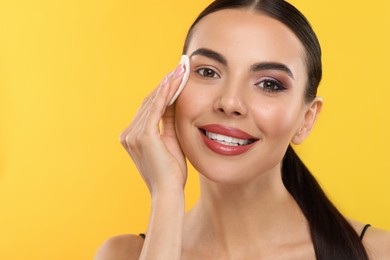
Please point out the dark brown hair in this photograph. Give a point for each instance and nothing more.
(332, 235)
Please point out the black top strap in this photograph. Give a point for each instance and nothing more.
(364, 231)
(142, 235)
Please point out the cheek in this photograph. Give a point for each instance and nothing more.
(278, 120)
(192, 104)
(191, 101)
(187, 108)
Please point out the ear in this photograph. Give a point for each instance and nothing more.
(310, 117)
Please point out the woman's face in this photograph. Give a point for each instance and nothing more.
(246, 86)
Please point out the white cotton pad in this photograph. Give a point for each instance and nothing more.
(186, 61)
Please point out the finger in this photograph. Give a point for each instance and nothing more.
(172, 81)
(168, 117)
(153, 107)
(157, 107)
(140, 115)
(177, 80)
(143, 123)
(162, 100)
(185, 69)
(149, 99)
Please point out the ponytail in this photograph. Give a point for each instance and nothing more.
(333, 237)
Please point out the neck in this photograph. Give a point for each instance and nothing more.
(261, 211)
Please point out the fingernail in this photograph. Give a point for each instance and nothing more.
(178, 71)
(165, 80)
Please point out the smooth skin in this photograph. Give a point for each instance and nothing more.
(244, 210)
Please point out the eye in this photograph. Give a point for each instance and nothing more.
(207, 73)
(269, 85)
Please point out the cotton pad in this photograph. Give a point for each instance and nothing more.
(185, 60)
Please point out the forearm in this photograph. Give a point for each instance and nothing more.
(164, 234)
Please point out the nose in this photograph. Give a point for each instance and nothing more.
(230, 102)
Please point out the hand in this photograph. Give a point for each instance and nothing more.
(156, 152)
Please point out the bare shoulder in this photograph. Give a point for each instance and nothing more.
(120, 247)
(376, 241)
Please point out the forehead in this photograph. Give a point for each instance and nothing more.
(247, 36)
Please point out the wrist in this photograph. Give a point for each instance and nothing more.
(167, 189)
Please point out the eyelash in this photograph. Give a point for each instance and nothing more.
(208, 70)
(275, 86)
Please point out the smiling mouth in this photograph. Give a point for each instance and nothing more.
(227, 140)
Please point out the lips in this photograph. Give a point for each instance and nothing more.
(226, 140)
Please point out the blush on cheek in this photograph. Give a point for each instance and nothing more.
(281, 122)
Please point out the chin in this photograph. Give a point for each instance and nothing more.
(231, 172)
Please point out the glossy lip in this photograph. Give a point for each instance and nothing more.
(228, 131)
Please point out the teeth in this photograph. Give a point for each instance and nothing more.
(227, 140)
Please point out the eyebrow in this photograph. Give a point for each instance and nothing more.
(210, 54)
(272, 66)
(255, 67)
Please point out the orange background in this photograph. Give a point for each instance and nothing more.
(73, 73)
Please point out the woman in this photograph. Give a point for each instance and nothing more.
(255, 69)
